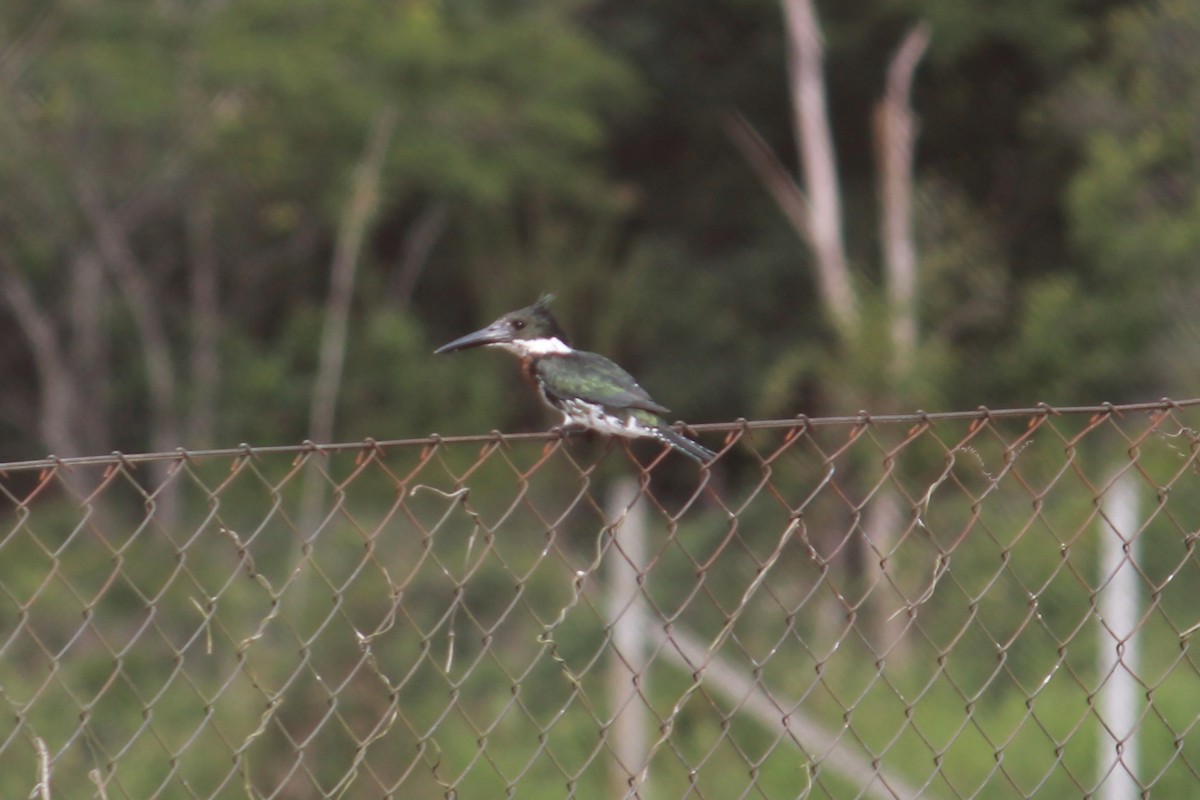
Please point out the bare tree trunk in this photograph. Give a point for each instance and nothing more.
(815, 212)
(895, 140)
(896, 133)
(206, 321)
(814, 139)
(60, 401)
(361, 207)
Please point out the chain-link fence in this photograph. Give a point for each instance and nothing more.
(982, 604)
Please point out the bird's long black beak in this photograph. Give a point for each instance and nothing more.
(492, 334)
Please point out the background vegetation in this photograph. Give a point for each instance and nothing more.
(253, 221)
(180, 183)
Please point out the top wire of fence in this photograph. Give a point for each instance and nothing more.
(981, 414)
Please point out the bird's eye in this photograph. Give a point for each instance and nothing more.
(518, 324)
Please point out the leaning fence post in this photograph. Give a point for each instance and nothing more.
(1117, 659)
(628, 728)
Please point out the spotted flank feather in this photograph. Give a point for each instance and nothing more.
(632, 422)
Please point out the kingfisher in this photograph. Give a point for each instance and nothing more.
(590, 390)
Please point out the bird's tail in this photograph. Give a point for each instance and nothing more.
(685, 445)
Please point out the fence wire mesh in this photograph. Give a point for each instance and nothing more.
(982, 604)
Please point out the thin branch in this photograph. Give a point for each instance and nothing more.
(42, 789)
(771, 171)
(422, 236)
(779, 714)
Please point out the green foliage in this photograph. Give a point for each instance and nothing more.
(240, 124)
(412, 393)
(1049, 32)
(1074, 342)
(1134, 202)
(1133, 205)
(596, 169)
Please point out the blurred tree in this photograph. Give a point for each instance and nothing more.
(202, 154)
(988, 204)
(175, 176)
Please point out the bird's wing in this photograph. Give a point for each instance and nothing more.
(595, 379)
